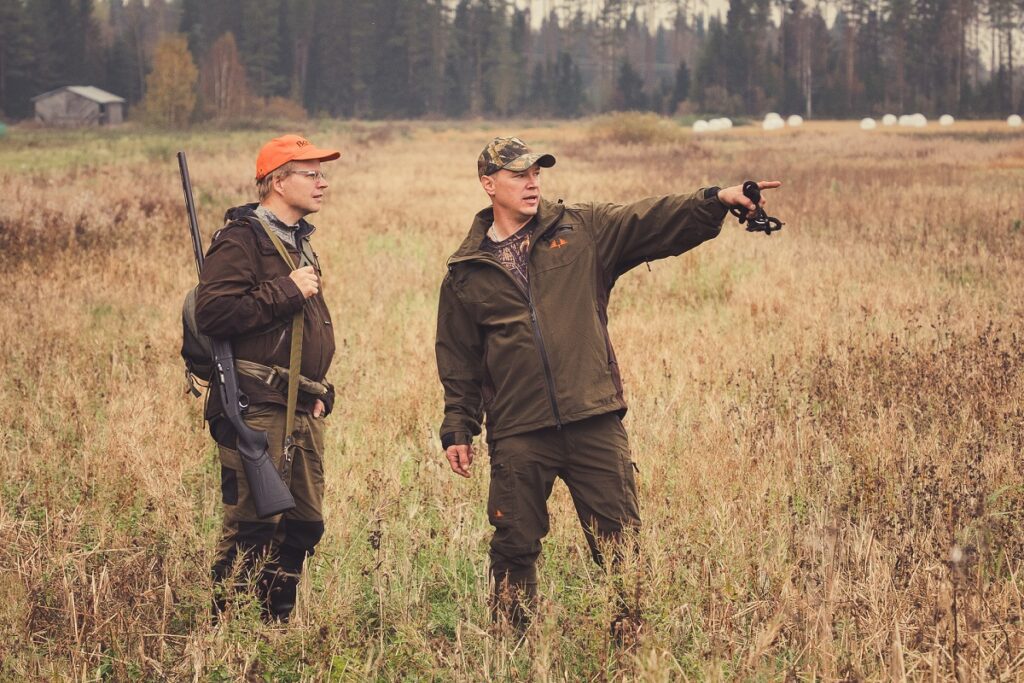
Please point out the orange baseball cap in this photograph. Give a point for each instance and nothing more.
(280, 151)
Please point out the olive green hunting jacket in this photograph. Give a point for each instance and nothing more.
(542, 357)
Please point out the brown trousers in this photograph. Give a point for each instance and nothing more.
(283, 540)
(592, 457)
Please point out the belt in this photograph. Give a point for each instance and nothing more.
(276, 378)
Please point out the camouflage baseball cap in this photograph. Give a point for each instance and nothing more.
(511, 154)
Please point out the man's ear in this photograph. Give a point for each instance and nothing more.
(488, 184)
(277, 184)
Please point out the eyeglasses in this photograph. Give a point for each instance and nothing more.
(312, 175)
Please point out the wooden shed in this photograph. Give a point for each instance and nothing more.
(79, 105)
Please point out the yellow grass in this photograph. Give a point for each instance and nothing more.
(828, 422)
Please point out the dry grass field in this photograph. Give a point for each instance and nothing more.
(828, 422)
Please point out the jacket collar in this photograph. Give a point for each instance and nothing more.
(548, 213)
(247, 213)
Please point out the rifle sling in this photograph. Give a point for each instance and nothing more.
(295, 358)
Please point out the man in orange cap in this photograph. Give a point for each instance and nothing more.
(249, 293)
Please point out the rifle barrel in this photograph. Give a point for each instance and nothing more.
(190, 208)
(270, 493)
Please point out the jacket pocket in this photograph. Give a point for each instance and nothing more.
(559, 248)
(475, 286)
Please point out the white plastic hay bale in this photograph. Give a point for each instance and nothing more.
(700, 126)
(772, 116)
(946, 120)
(795, 121)
(919, 121)
(867, 124)
(1014, 121)
(906, 120)
(726, 122)
(773, 124)
(889, 120)
(715, 124)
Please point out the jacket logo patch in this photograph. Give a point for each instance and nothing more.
(557, 243)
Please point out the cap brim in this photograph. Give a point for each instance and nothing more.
(525, 161)
(315, 154)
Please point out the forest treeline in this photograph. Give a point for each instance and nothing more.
(184, 60)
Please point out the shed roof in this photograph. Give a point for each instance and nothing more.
(87, 91)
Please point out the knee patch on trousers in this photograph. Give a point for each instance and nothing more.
(253, 534)
(303, 534)
(228, 486)
(300, 540)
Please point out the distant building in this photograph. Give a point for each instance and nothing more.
(79, 105)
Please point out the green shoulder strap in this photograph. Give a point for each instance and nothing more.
(295, 360)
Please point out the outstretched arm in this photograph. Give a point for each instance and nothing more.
(627, 235)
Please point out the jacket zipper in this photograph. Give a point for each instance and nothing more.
(544, 359)
(537, 336)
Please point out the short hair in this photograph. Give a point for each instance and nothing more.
(264, 184)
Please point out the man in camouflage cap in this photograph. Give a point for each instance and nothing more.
(522, 337)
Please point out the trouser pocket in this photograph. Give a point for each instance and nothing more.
(501, 503)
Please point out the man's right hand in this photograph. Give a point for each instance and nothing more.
(306, 280)
(460, 457)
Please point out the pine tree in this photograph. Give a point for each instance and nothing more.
(16, 60)
(629, 89)
(192, 27)
(261, 47)
(681, 91)
(459, 71)
(567, 95)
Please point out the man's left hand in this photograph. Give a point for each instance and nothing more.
(733, 196)
(319, 408)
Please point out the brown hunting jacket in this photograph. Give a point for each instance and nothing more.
(245, 294)
(542, 357)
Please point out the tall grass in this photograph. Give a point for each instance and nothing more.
(828, 422)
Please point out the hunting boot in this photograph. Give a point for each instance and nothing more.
(514, 600)
(225, 586)
(628, 621)
(277, 590)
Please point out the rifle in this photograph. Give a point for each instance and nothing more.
(269, 491)
(760, 221)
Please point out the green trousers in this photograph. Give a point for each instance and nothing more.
(592, 457)
(280, 543)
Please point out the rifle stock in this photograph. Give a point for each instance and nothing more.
(269, 492)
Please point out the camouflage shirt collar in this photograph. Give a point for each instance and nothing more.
(547, 215)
